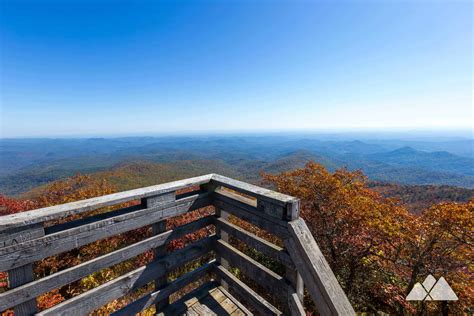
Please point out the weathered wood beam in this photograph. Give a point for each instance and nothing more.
(158, 228)
(95, 218)
(116, 288)
(24, 274)
(252, 190)
(246, 293)
(295, 305)
(178, 307)
(158, 296)
(261, 245)
(237, 206)
(237, 303)
(253, 269)
(64, 210)
(319, 279)
(24, 293)
(40, 248)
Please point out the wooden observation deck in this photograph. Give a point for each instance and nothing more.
(29, 237)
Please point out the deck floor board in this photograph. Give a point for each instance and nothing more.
(210, 299)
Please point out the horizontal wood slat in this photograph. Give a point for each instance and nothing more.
(252, 190)
(150, 299)
(64, 210)
(25, 292)
(97, 297)
(40, 248)
(233, 204)
(245, 292)
(265, 247)
(180, 306)
(253, 269)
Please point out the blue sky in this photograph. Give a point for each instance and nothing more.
(118, 67)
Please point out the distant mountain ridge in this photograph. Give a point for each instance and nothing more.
(28, 163)
(436, 161)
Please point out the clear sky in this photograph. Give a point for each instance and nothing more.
(118, 67)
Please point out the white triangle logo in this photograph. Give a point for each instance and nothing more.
(442, 291)
(432, 290)
(418, 293)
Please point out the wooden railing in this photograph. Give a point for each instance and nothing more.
(26, 238)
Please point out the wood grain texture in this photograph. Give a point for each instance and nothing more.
(158, 228)
(253, 269)
(252, 190)
(223, 235)
(101, 295)
(180, 306)
(243, 310)
(33, 289)
(237, 206)
(295, 305)
(64, 210)
(319, 279)
(155, 297)
(24, 274)
(246, 293)
(261, 245)
(40, 248)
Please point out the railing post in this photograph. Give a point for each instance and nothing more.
(292, 211)
(220, 233)
(21, 275)
(158, 228)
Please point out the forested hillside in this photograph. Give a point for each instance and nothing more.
(419, 197)
(26, 164)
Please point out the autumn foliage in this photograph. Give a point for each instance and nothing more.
(376, 248)
(81, 187)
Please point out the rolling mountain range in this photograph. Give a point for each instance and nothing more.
(28, 163)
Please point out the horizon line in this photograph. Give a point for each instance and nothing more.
(465, 131)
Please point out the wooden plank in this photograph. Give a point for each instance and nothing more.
(18, 235)
(157, 296)
(296, 281)
(157, 228)
(244, 203)
(261, 245)
(64, 210)
(97, 297)
(253, 269)
(237, 207)
(40, 248)
(102, 216)
(91, 219)
(240, 306)
(181, 305)
(320, 281)
(24, 274)
(223, 235)
(252, 190)
(33, 289)
(246, 293)
(295, 305)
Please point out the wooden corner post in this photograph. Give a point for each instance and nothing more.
(24, 274)
(159, 252)
(220, 233)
